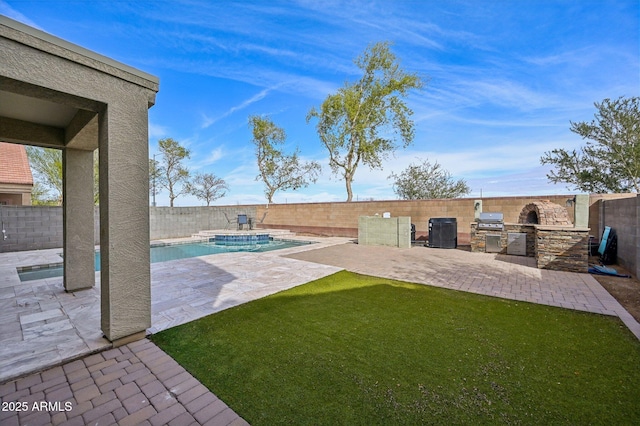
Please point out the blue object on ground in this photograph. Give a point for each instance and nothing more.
(603, 270)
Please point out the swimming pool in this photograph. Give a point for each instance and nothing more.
(166, 252)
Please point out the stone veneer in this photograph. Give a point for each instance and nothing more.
(478, 237)
(545, 213)
(556, 248)
(562, 249)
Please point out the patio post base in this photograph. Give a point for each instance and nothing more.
(128, 339)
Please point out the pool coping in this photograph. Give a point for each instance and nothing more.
(152, 244)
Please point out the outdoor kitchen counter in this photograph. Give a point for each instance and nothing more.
(562, 248)
(555, 247)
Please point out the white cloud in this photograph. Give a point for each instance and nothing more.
(498, 97)
(215, 155)
(207, 121)
(10, 12)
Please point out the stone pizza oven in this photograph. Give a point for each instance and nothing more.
(544, 213)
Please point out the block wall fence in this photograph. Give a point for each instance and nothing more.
(341, 219)
(30, 228)
(623, 215)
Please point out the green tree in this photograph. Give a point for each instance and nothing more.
(425, 181)
(174, 175)
(359, 124)
(96, 178)
(46, 164)
(278, 170)
(610, 161)
(40, 196)
(208, 187)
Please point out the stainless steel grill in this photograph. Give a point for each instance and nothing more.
(492, 221)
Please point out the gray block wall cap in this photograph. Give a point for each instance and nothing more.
(153, 81)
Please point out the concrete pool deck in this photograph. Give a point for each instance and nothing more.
(42, 326)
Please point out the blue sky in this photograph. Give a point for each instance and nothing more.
(505, 78)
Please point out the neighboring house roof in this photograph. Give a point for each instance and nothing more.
(14, 164)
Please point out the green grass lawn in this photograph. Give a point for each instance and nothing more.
(360, 350)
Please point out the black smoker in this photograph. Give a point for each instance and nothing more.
(443, 232)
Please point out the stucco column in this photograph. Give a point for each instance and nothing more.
(79, 264)
(125, 277)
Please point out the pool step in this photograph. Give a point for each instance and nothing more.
(274, 233)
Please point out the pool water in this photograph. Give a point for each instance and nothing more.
(183, 251)
(164, 253)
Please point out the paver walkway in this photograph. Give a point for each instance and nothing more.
(135, 384)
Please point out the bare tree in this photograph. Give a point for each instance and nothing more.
(208, 187)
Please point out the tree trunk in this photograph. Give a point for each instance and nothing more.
(347, 181)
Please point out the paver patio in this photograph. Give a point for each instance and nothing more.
(509, 277)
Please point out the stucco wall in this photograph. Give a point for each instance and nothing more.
(15, 195)
(379, 231)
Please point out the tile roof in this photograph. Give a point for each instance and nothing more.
(14, 164)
